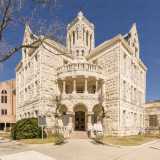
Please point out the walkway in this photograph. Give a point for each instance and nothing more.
(78, 149)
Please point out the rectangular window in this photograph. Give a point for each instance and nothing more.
(135, 119)
(26, 94)
(36, 84)
(5, 99)
(131, 69)
(124, 117)
(141, 120)
(132, 119)
(153, 120)
(2, 111)
(36, 113)
(124, 88)
(134, 94)
(26, 71)
(36, 61)
(5, 111)
(79, 89)
(2, 99)
(135, 71)
(124, 62)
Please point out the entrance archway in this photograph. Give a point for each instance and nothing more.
(80, 118)
(80, 121)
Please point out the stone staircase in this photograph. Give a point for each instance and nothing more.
(79, 135)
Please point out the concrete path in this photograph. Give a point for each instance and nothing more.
(80, 149)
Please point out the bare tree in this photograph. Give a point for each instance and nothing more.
(19, 13)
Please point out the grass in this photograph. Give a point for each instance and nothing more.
(6, 135)
(131, 140)
(30, 141)
(38, 140)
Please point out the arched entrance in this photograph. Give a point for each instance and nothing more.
(80, 117)
(79, 121)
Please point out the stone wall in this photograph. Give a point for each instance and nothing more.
(152, 108)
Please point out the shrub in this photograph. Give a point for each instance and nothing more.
(26, 128)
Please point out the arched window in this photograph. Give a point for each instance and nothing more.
(3, 92)
(77, 52)
(4, 96)
(82, 53)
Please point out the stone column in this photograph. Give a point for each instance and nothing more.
(89, 123)
(70, 119)
(64, 85)
(103, 118)
(89, 118)
(86, 77)
(56, 118)
(97, 85)
(70, 123)
(4, 126)
(74, 84)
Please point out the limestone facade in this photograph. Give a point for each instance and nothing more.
(79, 85)
(152, 117)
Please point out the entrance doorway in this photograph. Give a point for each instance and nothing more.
(80, 121)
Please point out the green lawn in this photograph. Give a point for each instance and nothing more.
(131, 140)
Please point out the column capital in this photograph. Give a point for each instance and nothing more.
(70, 113)
(74, 77)
(63, 79)
(97, 78)
(103, 81)
(57, 114)
(90, 113)
(86, 77)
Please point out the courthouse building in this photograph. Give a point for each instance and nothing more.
(79, 85)
(7, 104)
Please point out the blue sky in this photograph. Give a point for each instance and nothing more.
(110, 18)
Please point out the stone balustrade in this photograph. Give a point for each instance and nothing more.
(80, 96)
(90, 69)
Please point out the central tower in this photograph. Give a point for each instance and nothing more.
(80, 36)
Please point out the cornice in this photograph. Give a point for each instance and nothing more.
(19, 65)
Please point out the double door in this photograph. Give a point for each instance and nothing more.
(80, 122)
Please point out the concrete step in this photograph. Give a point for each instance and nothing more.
(79, 135)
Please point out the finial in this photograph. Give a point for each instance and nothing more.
(69, 19)
(80, 7)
